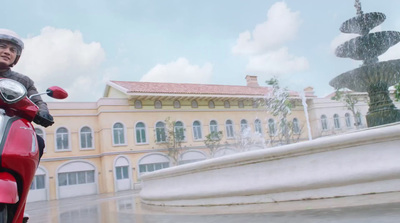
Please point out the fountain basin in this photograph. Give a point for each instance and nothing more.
(357, 163)
(362, 24)
(368, 46)
(361, 78)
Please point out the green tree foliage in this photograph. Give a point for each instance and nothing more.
(397, 92)
(280, 106)
(350, 100)
(213, 142)
(174, 137)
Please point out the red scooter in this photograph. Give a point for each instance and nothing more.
(19, 155)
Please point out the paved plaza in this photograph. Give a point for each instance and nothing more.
(125, 207)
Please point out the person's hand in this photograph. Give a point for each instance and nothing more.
(43, 118)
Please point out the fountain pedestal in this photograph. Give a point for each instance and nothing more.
(381, 108)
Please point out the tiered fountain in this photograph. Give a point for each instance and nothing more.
(372, 76)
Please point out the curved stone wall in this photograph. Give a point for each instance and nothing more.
(362, 162)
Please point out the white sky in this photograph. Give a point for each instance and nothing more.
(79, 45)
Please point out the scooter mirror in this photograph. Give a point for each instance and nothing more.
(56, 92)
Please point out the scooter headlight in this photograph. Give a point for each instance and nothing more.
(11, 91)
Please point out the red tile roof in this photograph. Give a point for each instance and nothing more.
(177, 88)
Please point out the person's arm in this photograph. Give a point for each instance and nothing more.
(43, 116)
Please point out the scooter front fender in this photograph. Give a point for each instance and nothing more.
(8, 188)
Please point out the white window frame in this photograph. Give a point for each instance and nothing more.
(68, 140)
(177, 104)
(336, 121)
(92, 139)
(145, 133)
(183, 130)
(324, 123)
(194, 104)
(227, 104)
(243, 125)
(272, 127)
(258, 126)
(156, 132)
(197, 131)
(211, 104)
(347, 118)
(213, 128)
(123, 133)
(230, 131)
(158, 104)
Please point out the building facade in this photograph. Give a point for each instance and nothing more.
(105, 146)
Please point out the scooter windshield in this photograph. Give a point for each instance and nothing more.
(11, 91)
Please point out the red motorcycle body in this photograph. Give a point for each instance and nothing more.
(19, 152)
(19, 155)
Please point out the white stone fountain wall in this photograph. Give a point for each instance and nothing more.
(363, 162)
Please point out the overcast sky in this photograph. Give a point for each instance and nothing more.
(81, 44)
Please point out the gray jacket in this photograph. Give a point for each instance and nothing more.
(29, 85)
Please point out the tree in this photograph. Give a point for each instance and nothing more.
(174, 137)
(213, 141)
(397, 92)
(350, 101)
(280, 106)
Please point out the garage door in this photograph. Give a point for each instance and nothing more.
(39, 189)
(76, 179)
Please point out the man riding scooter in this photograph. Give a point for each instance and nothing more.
(11, 47)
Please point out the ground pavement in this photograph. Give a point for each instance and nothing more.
(125, 207)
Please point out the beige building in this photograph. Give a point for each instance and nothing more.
(105, 146)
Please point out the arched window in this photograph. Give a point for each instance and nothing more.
(177, 104)
(153, 162)
(62, 139)
(138, 104)
(211, 104)
(241, 104)
(348, 120)
(227, 104)
(122, 168)
(140, 130)
(160, 132)
(229, 129)
(118, 134)
(158, 104)
(324, 122)
(179, 131)
(194, 104)
(255, 104)
(358, 117)
(213, 126)
(336, 121)
(271, 127)
(197, 130)
(296, 127)
(86, 138)
(258, 126)
(243, 125)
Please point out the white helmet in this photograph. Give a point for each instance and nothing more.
(12, 37)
